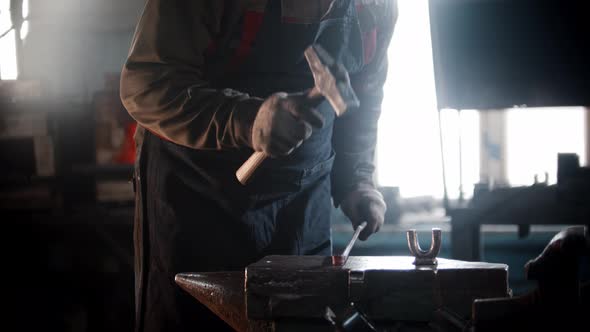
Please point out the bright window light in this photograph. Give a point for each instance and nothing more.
(8, 68)
(25, 8)
(8, 60)
(460, 132)
(409, 150)
(24, 30)
(5, 23)
(536, 136)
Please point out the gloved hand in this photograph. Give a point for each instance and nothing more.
(283, 122)
(365, 204)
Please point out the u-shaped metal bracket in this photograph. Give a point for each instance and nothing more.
(425, 257)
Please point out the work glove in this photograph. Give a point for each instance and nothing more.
(283, 122)
(365, 204)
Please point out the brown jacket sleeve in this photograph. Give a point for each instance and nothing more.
(163, 85)
(355, 134)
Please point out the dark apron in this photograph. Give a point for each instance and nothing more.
(193, 215)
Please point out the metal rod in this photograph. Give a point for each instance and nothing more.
(353, 240)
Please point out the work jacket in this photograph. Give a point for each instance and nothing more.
(195, 76)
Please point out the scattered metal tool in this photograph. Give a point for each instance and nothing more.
(331, 81)
(341, 260)
(425, 257)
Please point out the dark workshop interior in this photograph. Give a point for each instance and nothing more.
(482, 154)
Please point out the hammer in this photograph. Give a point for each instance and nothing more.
(331, 82)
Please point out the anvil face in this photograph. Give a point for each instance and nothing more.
(384, 287)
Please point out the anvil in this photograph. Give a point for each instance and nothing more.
(286, 293)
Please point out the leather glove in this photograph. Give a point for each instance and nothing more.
(365, 204)
(283, 122)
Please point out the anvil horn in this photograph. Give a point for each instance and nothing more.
(223, 294)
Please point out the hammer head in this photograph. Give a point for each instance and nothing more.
(331, 79)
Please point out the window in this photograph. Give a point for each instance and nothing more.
(536, 136)
(8, 39)
(409, 148)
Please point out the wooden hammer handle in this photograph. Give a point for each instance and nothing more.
(249, 167)
(315, 96)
